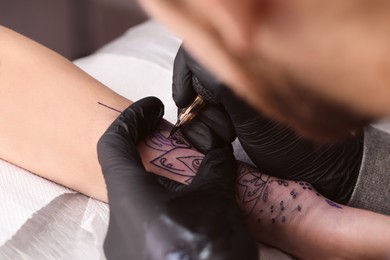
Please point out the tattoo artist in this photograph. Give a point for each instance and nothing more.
(321, 68)
(333, 169)
(202, 220)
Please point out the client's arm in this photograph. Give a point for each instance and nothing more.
(289, 215)
(50, 118)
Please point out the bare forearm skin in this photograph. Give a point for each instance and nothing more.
(49, 117)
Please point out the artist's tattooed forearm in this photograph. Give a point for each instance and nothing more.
(176, 155)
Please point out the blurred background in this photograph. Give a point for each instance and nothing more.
(73, 28)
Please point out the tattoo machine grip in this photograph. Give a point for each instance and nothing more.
(188, 113)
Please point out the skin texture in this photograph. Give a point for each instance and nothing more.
(41, 117)
(51, 127)
(310, 64)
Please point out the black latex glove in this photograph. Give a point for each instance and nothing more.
(147, 221)
(274, 148)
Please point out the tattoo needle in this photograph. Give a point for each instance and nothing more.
(188, 113)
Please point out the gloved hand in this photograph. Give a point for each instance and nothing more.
(147, 221)
(274, 148)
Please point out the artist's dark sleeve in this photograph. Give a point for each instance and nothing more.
(372, 190)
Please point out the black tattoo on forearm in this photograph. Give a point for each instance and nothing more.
(253, 191)
(251, 187)
(172, 149)
(178, 158)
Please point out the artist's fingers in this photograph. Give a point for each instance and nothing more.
(218, 169)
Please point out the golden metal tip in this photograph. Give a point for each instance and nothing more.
(174, 129)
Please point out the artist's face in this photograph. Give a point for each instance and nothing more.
(314, 64)
(309, 112)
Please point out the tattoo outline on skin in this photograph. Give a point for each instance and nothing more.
(252, 186)
(172, 148)
(282, 182)
(333, 204)
(253, 190)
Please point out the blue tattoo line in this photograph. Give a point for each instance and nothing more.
(333, 204)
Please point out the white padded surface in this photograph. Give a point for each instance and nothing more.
(42, 220)
(20, 197)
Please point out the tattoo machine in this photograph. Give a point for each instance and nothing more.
(187, 114)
